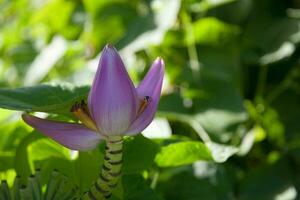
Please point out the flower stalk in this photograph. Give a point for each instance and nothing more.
(110, 172)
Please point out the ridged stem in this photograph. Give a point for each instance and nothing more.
(110, 171)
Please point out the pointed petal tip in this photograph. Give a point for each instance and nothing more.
(26, 117)
(159, 59)
(159, 62)
(23, 115)
(109, 46)
(109, 51)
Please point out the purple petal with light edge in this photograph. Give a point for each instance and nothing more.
(112, 99)
(71, 135)
(150, 86)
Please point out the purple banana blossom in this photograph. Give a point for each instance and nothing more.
(114, 107)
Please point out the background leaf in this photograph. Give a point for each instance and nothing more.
(137, 159)
(43, 98)
(182, 153)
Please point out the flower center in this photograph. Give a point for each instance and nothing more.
(81, 111)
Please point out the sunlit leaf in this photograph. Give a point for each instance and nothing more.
(182, 153)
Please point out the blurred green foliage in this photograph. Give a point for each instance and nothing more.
(231, 93)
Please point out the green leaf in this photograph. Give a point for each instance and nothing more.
(16, 188)
(4, 191)
(267, 182)
(211, 31)
(266, 35)
(66, 190)
(34, 186)
(6, 160)
(221, 110)
(150, 29)
(62, 165)
(53, 185)
(55, 15)
(87, 168)
(135, 187)
(47, 148)
(11, 133)
(219, 152)
(139, 153)
(5, 114)
(50, 98)
(23, 165)
(182, 153)
(48, 155)
(205, 5)
(185, 185)
(216, 104)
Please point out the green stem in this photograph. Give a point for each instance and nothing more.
(262, 78)
(288, 80)
(154, 180)
(110, 171)
(191, 44)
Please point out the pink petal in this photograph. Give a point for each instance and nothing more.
(70, 135)
(112, 100)
(151, 86)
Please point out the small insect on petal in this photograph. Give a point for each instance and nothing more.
(80, 110)
(143, 104)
